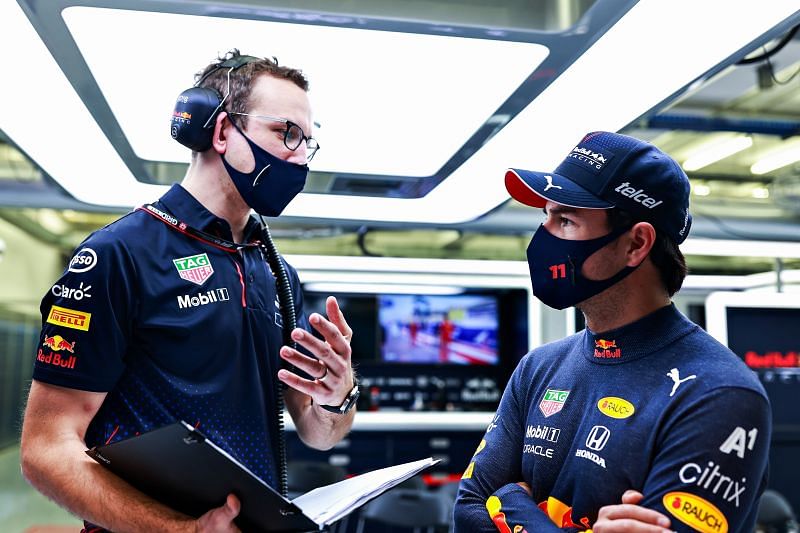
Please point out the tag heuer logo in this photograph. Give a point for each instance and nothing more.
(553, 401)
(195, 268)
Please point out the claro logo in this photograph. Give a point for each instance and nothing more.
(615, 407)
(695, 512)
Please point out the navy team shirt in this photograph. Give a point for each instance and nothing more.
(172, 328)
(657, 406)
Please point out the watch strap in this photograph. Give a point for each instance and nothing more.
(348, 403)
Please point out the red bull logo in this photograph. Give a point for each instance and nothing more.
(57, 343)
(604, 349)
(69, 318)
(773, 359)
(604, 344)
(561, 514)
(182, 115)
(494, 506)
(56, 359)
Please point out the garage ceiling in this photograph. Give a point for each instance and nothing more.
(487, 85)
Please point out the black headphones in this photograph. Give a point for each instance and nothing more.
(192, 122)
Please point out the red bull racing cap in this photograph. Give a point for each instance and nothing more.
(607, 170)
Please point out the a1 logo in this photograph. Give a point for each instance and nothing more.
(738, 440)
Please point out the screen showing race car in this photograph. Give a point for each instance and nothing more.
(427, 329)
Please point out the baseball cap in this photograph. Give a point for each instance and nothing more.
(607, 170)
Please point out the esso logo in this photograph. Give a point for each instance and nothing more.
(83, 261)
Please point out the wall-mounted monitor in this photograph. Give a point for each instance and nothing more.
(433, 351)
(431, 329)
(762, 329)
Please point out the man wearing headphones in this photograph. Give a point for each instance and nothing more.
(181, 309)
(642, 407)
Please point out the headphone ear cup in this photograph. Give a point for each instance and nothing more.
(193, 109)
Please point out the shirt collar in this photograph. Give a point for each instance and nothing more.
(647, 335)
(185, 207)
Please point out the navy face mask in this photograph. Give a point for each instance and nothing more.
(555, 266)
(272, 184)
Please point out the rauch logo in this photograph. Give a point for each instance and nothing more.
(695, 512)
(615, 407)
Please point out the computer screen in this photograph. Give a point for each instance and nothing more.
(441, 329)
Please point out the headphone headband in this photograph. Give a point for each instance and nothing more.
(232, 63)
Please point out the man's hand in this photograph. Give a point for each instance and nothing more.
(332, 370)
(628, 517)
(220, 520)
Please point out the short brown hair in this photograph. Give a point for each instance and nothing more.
(242, 79)
(665, 254)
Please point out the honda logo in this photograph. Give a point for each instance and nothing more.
(597, 438)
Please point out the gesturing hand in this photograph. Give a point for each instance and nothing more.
(332, 370)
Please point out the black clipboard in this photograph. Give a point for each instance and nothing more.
(179, 467)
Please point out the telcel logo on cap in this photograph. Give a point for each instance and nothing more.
(638, 195)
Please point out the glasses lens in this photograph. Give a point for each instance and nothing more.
(293, 136)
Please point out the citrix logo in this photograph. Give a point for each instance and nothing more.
(638, 195)
(710, 478)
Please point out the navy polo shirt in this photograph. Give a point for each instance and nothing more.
(172, 328)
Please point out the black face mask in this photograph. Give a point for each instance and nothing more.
(273, 182)
(555, 266)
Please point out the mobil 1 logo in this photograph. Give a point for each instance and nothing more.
(204, 298)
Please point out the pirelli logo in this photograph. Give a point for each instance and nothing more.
(69, 318)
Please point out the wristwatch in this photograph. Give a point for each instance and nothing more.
(347, 404)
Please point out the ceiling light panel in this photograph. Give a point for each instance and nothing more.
(47, 120)
(634, 66)
(389, 103)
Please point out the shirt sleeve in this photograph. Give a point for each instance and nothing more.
(489, 499)
(86, 318)
(711, 466)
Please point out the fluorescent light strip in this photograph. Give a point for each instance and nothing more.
(325, 263)
(785, 156)
(731, 248)
(716, 151)
(44, 116)
(404, 278)
(382, 288)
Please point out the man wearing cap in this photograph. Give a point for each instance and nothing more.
(641, 422)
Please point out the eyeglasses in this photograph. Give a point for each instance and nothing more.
(293, 135)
